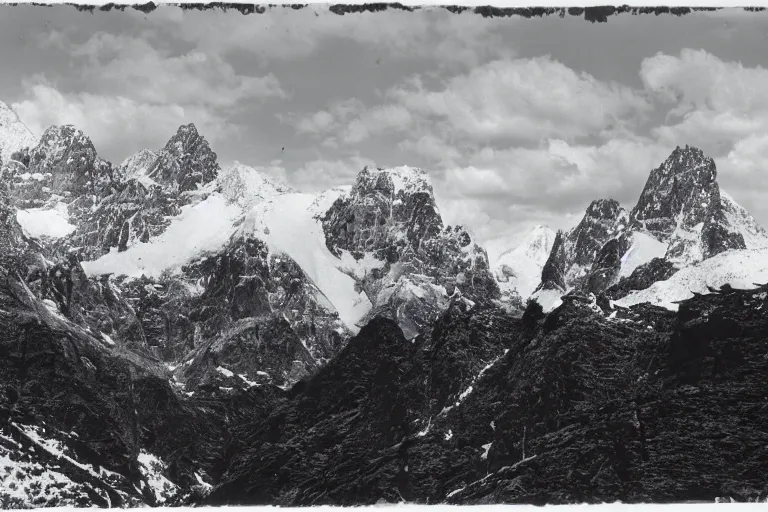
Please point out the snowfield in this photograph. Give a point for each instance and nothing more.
(739, 218)
(200, 228)
(14, 135)
(288, 225)
(739, 268)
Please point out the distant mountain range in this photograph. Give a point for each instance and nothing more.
(177, 332)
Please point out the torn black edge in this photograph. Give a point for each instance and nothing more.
(596, 14)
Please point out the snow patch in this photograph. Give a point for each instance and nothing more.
(153, 468)
(548, 299)
(107, 339)
(224, 371)
(40, 222)
(486, 449)
(249, 383)
(643, 249)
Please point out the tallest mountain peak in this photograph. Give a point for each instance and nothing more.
(684, 160)
(683, 189)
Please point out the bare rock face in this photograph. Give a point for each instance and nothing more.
(681, 205)
(574, 253)
(579, 407)
(390, 217)
(244, 314)
(185, 163)
(62, 169)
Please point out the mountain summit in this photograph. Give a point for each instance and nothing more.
(411, 265)
(681, 218)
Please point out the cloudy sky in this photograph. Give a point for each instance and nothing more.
(519, 122)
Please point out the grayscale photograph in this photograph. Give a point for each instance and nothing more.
(358, 255)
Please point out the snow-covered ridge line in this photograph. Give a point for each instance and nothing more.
(741, 269)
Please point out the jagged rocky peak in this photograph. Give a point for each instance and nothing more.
(247, 186)
(390, 222)
(149, 190)
(14, 135)
(682, 205)
(68, 155)
(62, 168)
(603, 220)
(393, 181)
(186, 162)
(385, 211)
(680, 192)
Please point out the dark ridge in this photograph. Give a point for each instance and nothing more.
(526, 12)
(457, 9)
(145, 8)
(81, 8)
(599, 14)
(110, 6)
(242, 8)
(342, 9)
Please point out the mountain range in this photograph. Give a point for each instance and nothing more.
(175, 332)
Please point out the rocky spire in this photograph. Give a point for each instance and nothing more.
(186, 161)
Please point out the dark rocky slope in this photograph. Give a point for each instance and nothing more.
(642, 405)
(81, 415)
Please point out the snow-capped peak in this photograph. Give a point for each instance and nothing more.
(393, 180)
(135, 167)
(14, 135)
(247, 186)
(739, 219)
(519, 269)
